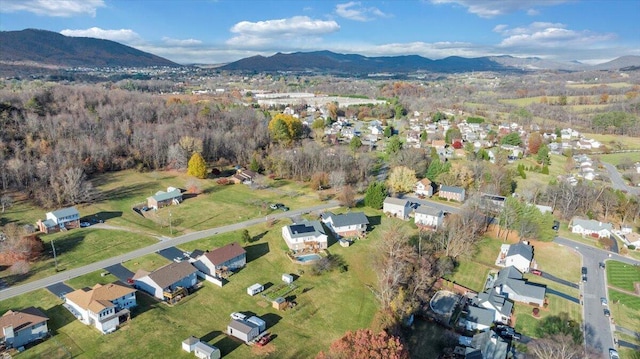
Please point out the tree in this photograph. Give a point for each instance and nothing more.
(71, 187)
(246, 237)
(556, 346)
(197, 167)
(375, 195)
(394, 145)
(511, 139)
(401, 179)
(543, 156)
(254, 165)
(452, 133)
(365, 344)
(6, 201)
(347, 196)
(436, 168)
(285, 128)
(319, 180)
(535, 141)
(355, 143)
(176, 157)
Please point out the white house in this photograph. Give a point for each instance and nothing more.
(352, 224)
(424, 187)
(308, 234)
(102, 306)
(230, 257)
(430, 217)
(21, 327)
(509, 283)
(65, 218)
(167, 282)
(520, 256)
(590, 227)
(501, 305)
(396, 207)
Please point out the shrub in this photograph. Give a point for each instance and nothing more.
(631, 247)
(536, 312)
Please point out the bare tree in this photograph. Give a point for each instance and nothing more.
(558, 346)
(6, 201)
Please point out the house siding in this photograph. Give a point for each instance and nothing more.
(28, 335)
(521, 263)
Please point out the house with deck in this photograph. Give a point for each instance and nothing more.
(352, 224)
(22, 327)
(228, 258)
(305, 235)
(510, 283)
(168, 283)
(103, 306)
(397, 207)
(162, 199)
(61, 219)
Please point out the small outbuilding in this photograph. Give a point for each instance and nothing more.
(287, 278)
(243, 330)
(203, 350)
(255, 289)
(262, 325)
(189, 344)
(279, 303)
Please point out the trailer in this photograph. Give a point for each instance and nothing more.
(255, 289)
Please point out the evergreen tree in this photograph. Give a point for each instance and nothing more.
(197, 167)
(375, 195)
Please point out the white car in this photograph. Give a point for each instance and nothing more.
(238, 316)
(613, 354)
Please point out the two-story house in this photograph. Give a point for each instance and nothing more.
(21, 327)
(424, 187)
(452, 193)
(397, 207)
(352, 224)
(305, 235)
(102, 306)
(65, 218)
(168, 283)
(428, 217)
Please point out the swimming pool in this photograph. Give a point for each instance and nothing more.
(308, 257)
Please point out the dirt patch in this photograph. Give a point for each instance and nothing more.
(263, 304)
(265, 350)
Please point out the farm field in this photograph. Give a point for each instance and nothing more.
(623, 276)
(328, 305)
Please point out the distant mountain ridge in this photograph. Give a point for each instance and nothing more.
(52, 48)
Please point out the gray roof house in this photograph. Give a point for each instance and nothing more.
(479, 318)
(520, 256)
(510, 283)
(452, 193)
(65, 218)
(489, 344)
(590, 227)
(428, 217)
(493, 300)
(243, 330)
(350, 224)
(163, 199)
(305, 235)
(397, 207)
(165, 281)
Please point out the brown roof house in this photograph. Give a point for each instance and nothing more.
(21, 327)
(230, 257)
(169, 283)
(243, 176)
(424, 187)
(102, 306)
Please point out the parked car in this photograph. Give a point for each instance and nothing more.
(238, 316)
(276, 205)
(607, 313)
(613, 354)
(584, 277)
(556, 226)
(603, 301)
(85, 224)
(601, 264)
(284, 208)
(584, 270)
(264, 340)
(536, 272)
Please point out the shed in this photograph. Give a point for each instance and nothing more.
(287, 278)
(255, 289)
(279, 303)
(243, 330)
(203, 350)
(189, 344)
(259, 322)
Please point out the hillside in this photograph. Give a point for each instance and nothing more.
(51, 48)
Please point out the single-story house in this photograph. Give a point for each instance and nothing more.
(479, 318)
(65, 218)
(397, 207)
(424, 187)
(305, 235)
(243, 176)
(201, 349)
(590, 227)
(352, 224)
(519, 255)
(103, 305)
(21, 327)
(163, 199)
(243, 330)
(452, 193)
(509, 283)
(168, 282)
(230, 257)
(428, 217)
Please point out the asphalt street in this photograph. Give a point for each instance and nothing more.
(617, 181)
(164, 244)
(598, 327)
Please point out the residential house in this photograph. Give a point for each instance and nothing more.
(424, 187)
(439, 145)
(305, 235)
(102, 306)
(413, 139)
(452, 193)
(352, 224)
(243, 176)
(478, 318)
(230, 257)
(21, 327)
(590, 227)
(428, 217)
(397, 207)
(510, 283)
(243, 330)
(487, 345)
(163, 199)
(500, 304)
(61, 219)
(519, 255)
(169, 282)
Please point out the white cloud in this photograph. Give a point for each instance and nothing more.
(181, 42)
(493, 8)
(533, 12)
(355, 11)
(56, 8)
(295, 30)
(126, 36)
(549, 35)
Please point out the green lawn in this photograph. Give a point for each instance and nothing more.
(558, 260)
(622, 275)
(470, 274)
(618, 158)
(526, 323)
(625, 309)
(606, 139)
(328, 306)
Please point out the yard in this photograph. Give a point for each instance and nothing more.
(625, 309)
(328, 306)
(526, 323)
(623, 276)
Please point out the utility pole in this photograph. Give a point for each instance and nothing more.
(55, 259)
(170, 227)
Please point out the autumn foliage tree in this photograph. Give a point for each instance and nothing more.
(197, 167)
(285, 128)
(535, 141)
(401, 179)
(365, 344)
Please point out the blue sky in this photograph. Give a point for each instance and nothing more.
(218, 31)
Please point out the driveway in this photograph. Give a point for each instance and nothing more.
(170, 253)
(617, 181)
(59, 289)
(563, 295)
(559, 280)
(120, 271)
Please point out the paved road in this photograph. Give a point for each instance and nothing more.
(598, 327)
(617, 181)
(76, 272)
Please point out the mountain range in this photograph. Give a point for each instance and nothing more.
(48, 48)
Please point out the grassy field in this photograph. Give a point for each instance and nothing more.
(622, 275)
(571, 100)
(617, 158)
(616, 85)
(607, 139)
(625, 309)
(557, 260)
(328, 305)
(526, 323)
